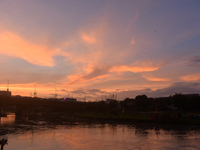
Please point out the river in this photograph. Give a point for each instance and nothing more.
(26, 134)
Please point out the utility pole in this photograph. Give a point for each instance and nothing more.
(55, 92)
(85, 97)
(8, 85)
(35, 94)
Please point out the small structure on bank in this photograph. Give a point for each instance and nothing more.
(5, 93)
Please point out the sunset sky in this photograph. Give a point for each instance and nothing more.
(97, 48)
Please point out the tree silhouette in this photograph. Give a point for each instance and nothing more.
(180, 100)
(142, 102)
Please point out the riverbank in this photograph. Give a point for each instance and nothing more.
(159, 118)
(164, 117)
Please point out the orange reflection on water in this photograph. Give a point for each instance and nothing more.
(103, 136)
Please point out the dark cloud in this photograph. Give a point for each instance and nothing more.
(96, 72)
(79, 91)
(96, 94)
(94, 90)
(180, 87)
(133, 93)
(88, 91)
(195, 61)
(63, 90)
(53, 95)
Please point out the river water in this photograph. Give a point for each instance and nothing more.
(26, 134)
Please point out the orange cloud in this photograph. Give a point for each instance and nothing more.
(89, 38)
(135, 69)
(193, 77)
(156, 79)
(93, 75)
(133, 20)
(15, 46)
(107, 71)
(133, 41)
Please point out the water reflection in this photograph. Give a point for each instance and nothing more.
(39, 133)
